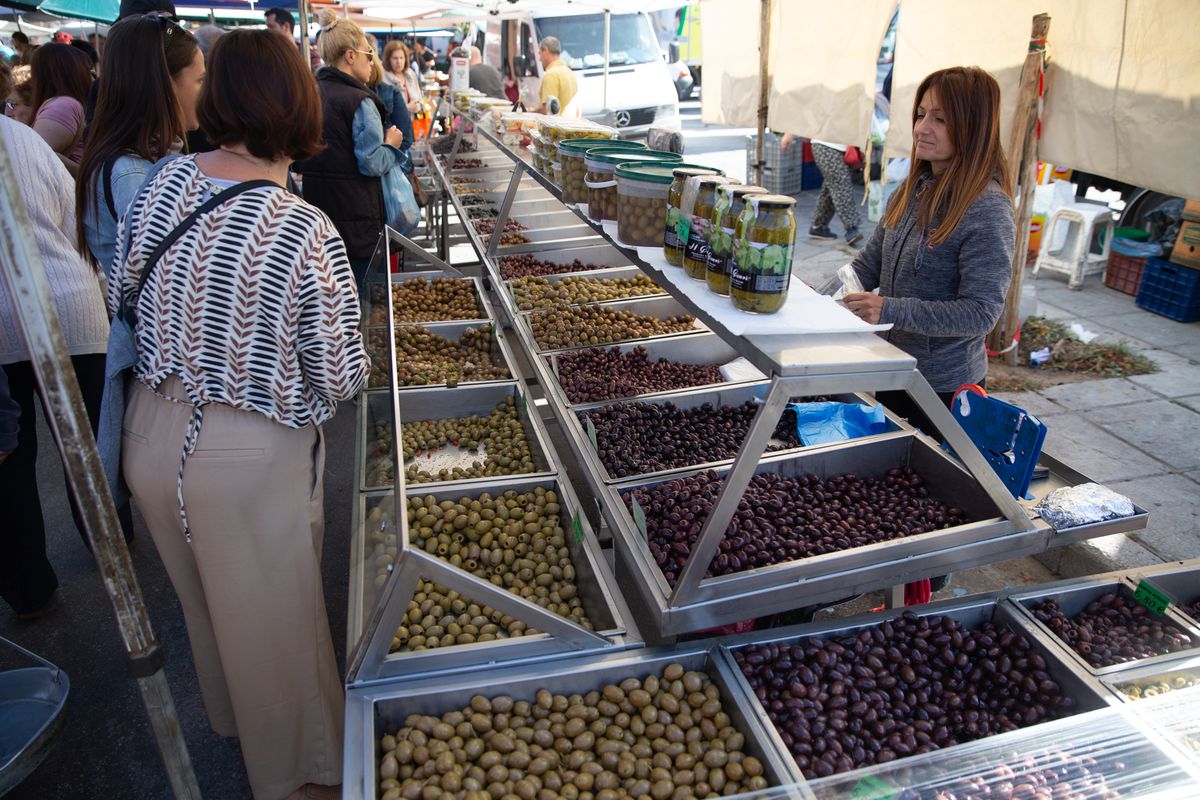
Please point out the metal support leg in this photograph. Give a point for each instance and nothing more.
(505, 209)
(731, 494)
(420, 252)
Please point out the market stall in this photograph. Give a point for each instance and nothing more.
(607, 348)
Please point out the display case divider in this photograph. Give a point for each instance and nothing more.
(392, 235)
(505, 209)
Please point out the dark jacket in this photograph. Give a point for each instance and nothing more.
(397, 114)
(332, 182)
(942, 301)
(10, 414)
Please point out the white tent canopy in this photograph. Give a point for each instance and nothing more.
(1123, 84)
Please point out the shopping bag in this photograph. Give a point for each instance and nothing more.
(825, 422)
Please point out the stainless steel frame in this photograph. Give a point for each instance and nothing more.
(454, 331)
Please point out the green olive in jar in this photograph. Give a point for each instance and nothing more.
(572, 153)
(672, 241)
(728, 207)
(601, 180)
(761, 266)
(642, 203)
(699, 196)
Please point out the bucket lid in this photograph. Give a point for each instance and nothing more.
(660, 172)
(583, 145)
(621, 156)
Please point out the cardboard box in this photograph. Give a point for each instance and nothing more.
(1191, 210)
(1187, 244)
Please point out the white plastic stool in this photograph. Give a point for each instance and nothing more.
(1076, 258)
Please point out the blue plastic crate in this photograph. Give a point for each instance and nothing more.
(1170, 290)
(811, 176)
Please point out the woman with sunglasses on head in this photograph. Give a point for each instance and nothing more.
(942, 257)
(247, 334)
(345, 179)
(153, 71)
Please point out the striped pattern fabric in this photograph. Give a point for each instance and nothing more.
(255, 307)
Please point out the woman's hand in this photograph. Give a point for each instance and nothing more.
(393, 136)
(413, 106)
(867, 306)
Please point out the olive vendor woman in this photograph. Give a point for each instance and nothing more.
(943, 255)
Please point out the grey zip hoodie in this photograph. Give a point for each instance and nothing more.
(943, 300)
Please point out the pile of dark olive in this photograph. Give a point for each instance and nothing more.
(488, 226)
(595, 374)
(500, 434)
(537, 292)
(635, 438)
(557, 328)
(482, 212)
(421, 300)
(465, 163)
(442, 145)
(784, 519)
(424, 357)
(472, 200)
(1038, 776)
(905, 686)
(525, 265)
(514, 540)
(662, 736)
(1193, 610)
(1114, 629)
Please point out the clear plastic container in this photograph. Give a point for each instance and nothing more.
(555, 173)
(696, 206)
(721, 233)
(602, 184)
(761, 267)
(642, 203)
(554, 129)
(571, 154)
(672, 244)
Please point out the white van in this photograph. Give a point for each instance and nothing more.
(640, 92)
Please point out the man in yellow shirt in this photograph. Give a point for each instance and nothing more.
(557, 80)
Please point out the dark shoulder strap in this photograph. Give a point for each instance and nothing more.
(183, 227)
(106, 181)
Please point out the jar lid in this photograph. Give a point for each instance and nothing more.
(774, 201)
(582, 145)
(620, 156)
(740, 190)
(692, 170)
(709, 181)
(646, 173)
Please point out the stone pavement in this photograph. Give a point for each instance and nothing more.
(1139, 436)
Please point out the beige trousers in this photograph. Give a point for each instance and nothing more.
(250, 579)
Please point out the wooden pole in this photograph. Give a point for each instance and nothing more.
(764, 87)
(302, 10)
(1023, 156)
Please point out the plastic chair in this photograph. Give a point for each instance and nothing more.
(1076, 258)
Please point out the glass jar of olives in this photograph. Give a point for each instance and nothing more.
(571, 154)
(729, 204)
(761, 266)
(696, 206)
(602, 186)
(672, 243)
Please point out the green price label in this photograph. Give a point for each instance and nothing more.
(1152, 598)
(639, 517)
(577, 527)
(591, 432)
(683, 228)
(871, 788)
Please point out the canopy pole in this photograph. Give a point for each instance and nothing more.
(302, 9)
(1023, 157)
(23, 273)
(764, 89)
(607, 28)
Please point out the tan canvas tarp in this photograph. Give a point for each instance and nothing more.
(729, 41)
(1123, 86)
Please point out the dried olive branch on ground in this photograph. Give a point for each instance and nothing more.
(1069, 353)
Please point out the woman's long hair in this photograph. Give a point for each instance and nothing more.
(136, 108)
(970, 101)
(60, 70)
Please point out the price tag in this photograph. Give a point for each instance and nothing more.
(577, 527)
(639, 517)
(871, 788)
(1152, 598)
(591, 432)
(683, 229)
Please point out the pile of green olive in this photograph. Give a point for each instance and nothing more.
(500, 434)
(538, 292)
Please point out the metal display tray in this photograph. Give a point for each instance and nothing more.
(370, 712)
(701, 348)
(1074, 596)
(828, 577)
(598, 252)
(464, 401)
(487, 313)
(1180, 581)
(660, 307)
(611, 273)
(1082, 688)
(371, 579)
(501, 352)
(1060, 475)
(687, 399)
(1187, 668)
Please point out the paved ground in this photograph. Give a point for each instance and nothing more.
(1138, 436)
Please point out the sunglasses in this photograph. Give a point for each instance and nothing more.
(370, 54)
(165, 23)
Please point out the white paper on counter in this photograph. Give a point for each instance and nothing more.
(804, 311)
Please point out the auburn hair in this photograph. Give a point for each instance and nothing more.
(970, 101)
(392, 47)
(60, 70)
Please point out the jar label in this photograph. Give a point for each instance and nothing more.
(697, 241)
(720, 249)
(683, 229)
(762, 268)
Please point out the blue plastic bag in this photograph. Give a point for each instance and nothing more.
(822, 423)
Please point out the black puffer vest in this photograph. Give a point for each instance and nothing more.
(332, 181)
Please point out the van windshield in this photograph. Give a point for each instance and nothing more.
(630, 40)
